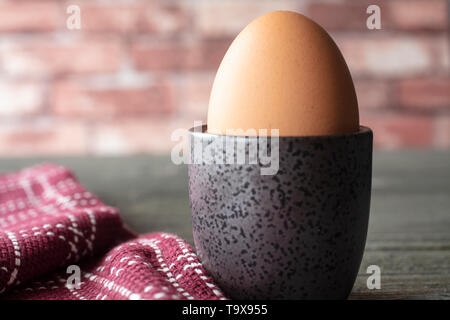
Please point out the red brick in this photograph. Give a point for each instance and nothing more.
(152, 16)
(417, 14)
(341, 15)
(109, 17)
(21, 98)
(43, 137)
(396, 130)
(46, 58)
(74, 92)
(226, 18)
(206, 54)
(373, 94)
(195, 89)
(31, 16)
(426, 94)
(381, 55)
(159, 56)
(395, 14)
(442, 132)
(77, 99)
(131, 136)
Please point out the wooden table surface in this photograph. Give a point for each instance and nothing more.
(409, 229)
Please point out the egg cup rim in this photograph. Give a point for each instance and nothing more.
(363, 130)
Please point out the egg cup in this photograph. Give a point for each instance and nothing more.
(296, 234)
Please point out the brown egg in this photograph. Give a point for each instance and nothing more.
(283, 71)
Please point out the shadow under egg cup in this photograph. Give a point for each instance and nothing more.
(298, 233)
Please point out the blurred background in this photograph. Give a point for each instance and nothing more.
(137, 70)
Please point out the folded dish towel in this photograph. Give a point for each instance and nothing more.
(59, 241)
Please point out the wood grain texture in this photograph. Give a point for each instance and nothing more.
(409, 229)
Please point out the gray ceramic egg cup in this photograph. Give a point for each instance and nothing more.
(298, 234)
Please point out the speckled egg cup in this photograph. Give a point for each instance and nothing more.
(297, 234)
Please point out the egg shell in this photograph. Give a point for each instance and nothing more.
(283, 71)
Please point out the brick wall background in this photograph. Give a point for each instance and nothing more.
(139, 69)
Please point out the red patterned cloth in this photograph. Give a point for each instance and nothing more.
(49, 222)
